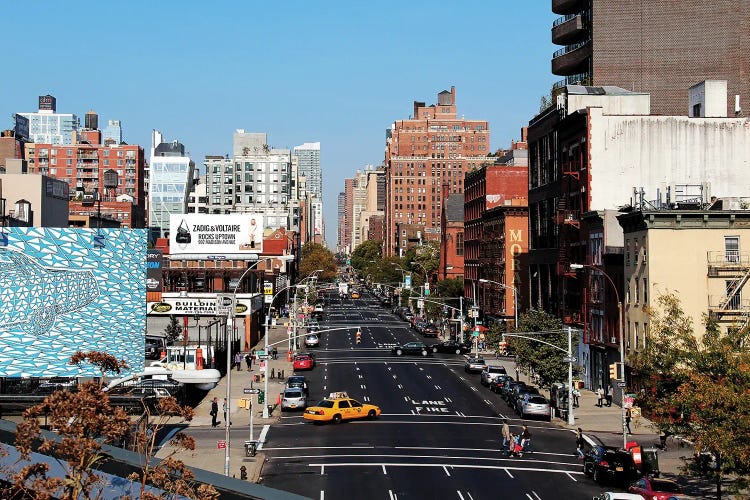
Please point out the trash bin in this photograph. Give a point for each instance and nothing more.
(250, 448)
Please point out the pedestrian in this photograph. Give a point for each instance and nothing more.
(506, 435)
(226, 412)
(627, 422)
(248, 359)
(238, 361)
(274, 352)
(576, 395)
(214, 412)
(525, 439)
(252, 357)
(610, 394)
(579, 443)
(599, 396)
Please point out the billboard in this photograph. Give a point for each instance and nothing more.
(60, 293)
(154, 281)
(215, 235)
(199, 304)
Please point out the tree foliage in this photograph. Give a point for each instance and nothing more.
(84, 420)
(537, 358)
(362, 256)
(698, 388)
(316, 256)
(173, 330)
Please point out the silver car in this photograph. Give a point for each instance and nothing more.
(475, 365)
(534, 405)
(491, 373)
(293, 399)
(312, 340)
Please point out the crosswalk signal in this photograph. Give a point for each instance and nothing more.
(613, 371)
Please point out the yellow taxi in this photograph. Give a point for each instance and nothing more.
(355, 294)
(339, 406)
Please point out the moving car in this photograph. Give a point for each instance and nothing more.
(451, 346)
(296, 382)
(355, 294)
(655, 489)
(534, 405)
(303, 362)
(429, 330)
(411, 348)
(293, 399)
(474, 365)
(606, 464)
(312, 340)
(339, 406)
(490, 373)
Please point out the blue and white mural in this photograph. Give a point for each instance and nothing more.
(60, 292)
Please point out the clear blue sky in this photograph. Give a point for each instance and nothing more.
(301, 71)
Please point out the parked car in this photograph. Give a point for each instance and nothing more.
(297, 382)
(606, 464)
(451, 346)
(419, 326)
(655, 489)
(312, 340)
(491, 372)
(408, 316)
(474, 365)
(508, 387)
(616, 495)
(535, 405)
(303, 362)
(411, 348)
(293, 399)
(496, 384)
(519, 392)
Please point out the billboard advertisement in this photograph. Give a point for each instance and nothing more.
(61, 293)
(154, 281)
(215, 235)
(198, 304)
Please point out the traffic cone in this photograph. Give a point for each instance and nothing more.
(278, 400)
(289, 355)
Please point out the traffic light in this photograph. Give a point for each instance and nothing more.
(261, 397)
(613, 371)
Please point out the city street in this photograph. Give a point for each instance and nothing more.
(438, 435)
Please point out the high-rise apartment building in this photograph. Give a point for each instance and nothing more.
(308, 155)
(662, 47)
(359, 205)
(341, 235)
(374, 202)
(171, 174)
(431, 148)
(257, 179)
(47, 126)
(112, 133)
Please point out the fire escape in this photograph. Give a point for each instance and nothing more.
(733, 268)
(571, 249)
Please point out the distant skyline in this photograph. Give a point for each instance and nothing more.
(300, 71)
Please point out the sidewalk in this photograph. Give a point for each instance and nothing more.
(605, 423)
(207, 455)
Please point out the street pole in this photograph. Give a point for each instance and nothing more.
(622, 364)
(227, 412)
(571, 417)
(461, 320)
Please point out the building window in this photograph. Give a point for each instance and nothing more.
(732, 248)
(645, 291)
(735, 301)
(459, 243)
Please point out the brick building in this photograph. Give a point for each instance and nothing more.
(657, 46)
(451, 264)
(431, 148)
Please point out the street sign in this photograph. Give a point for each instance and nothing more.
(475, 333)
(224, 303)
(622, 385)
(250, 391)
(260, 353)
(221, 444)
(569, 359)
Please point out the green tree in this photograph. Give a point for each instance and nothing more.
(368, 251)
(314, 257)
(698, 388)
(172, 330)
(537, 358)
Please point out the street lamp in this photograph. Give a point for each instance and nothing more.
(570, 359)
(461, 298)
(229, 327)
(622, 342)
(515, 297)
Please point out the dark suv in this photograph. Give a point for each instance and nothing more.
(606, 464)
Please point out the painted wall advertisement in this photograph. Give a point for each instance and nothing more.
(215, 234)
(60, 293)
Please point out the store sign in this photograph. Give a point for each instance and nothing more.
(204, 306)
(215, 234)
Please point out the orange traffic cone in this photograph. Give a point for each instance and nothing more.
(278, 400)
(289, 355)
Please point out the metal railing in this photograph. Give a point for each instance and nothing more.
(569, 48)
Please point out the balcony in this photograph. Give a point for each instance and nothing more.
(722, 304)
(727, 263)
(568, 29)
(567, 6)
(572, 59)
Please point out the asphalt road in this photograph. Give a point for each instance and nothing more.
(438, 436)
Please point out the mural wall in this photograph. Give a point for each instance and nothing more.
(60, 292)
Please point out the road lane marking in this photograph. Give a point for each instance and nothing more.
(508, 472)
(429, 377)
(460, 495)
(448, 400)
(262, 437)
(441, 457)
(455, 466)
(537, 496)
(438, 387)
(391, 495)
(322, 493)
(322, 472)
(469, 495)
(400, 386)
(571, 477)
(384, 471)
(446, 471)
